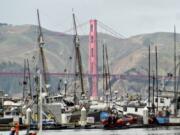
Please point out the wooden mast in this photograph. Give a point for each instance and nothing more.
(108, 74)
(153, 105)
(24, 80)
(42, 57)
(149, 79)
(104, 75)
(175, 95)
(78, 61)
(157, 89)
(27, 91)
(29, 78)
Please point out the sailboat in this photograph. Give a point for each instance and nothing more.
(174, 116)
(81, 100)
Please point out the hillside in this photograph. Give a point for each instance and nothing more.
(127, 56)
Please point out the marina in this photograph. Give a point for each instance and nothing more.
(98, 82)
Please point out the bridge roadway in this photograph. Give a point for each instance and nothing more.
(71, 75)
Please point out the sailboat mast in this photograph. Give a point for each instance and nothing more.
(175, 96)
(75, 63)
(108, 74)
(78, 55)
(149, 77)
(157, 89)
(39, 25)
(42, 74)
(24, 80)
(105, 70)
(178, 80)
(40, 105)
(153, 105)
(104, 74)
(41, 44)
(29, 78)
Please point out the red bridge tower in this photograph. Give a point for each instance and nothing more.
(93, 58)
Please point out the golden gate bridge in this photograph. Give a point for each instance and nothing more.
(92, 59)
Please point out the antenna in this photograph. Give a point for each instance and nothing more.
(175, 95)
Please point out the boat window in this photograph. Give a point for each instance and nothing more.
(55, 99)
(156, 100)
(125, 108)
(58, 99)
(47, 100)
(51, 100)
(136, 109)
(8, 113)
(16, 113)
(162, 100)
(63, 110)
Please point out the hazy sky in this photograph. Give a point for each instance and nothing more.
(128, 17)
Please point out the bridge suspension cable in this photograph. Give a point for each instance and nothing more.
(78, 26)
(63, 74)
(110, 30)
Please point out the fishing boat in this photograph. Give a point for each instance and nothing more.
(115, 121)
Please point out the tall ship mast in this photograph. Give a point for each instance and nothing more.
(78, 60)
(175, 67)
(42, 60)
(106, 75)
